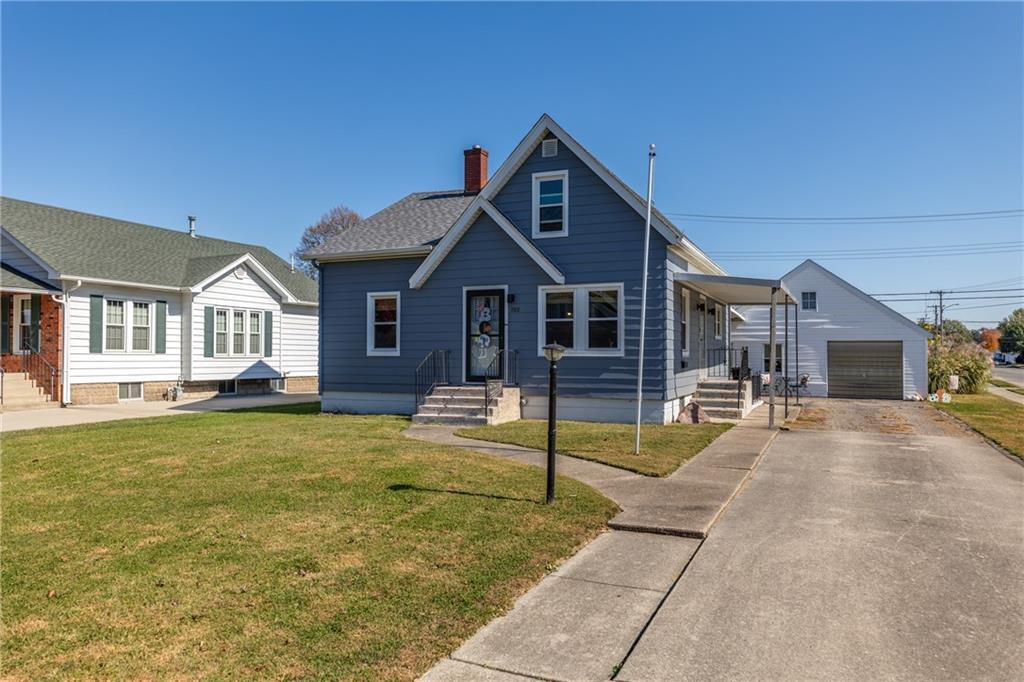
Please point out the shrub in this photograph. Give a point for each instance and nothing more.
(968, 360)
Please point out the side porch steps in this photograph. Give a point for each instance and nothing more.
(466, 406)
(21, 393)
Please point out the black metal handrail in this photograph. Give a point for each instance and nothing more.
(36, 367)
(433, 371)
(725, 363)
(502, 371)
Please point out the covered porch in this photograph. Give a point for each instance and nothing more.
(732, 364)
(31, 340)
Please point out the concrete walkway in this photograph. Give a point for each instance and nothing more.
(1004, 393)
(138, 409)
(581, 622)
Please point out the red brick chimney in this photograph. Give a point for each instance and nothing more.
(476, 169)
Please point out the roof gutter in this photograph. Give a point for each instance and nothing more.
(378, 254)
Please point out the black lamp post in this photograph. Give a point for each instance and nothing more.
(553, 352)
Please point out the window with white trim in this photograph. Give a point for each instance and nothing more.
(255, 332)
(115, 323)
(129, 391)
(809, 300)
(140, 326)
(238, 332)
(220, 331)
(684, 323)
(767, 358)
(551, 204)
(382, 323)
(586, 319)
(719, 320)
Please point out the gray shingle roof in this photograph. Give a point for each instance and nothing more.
(86, 245)
(18, 280)
(419, 219)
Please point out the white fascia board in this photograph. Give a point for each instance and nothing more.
(119, 283)
(50, 272)
(452, 237)
(547, 124)
(400, 252)
(255, 265)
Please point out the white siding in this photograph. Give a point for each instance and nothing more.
(19, 260)
(299, 338)
(246, 293)
(842, 315)
(108, 367)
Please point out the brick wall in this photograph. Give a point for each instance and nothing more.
(93, 394)
(302, 384)
(51, 341)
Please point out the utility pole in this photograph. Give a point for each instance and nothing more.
(940, 310)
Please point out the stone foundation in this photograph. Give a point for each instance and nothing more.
(302, 384)
(156, 390)
(208, 389)
(94, 394)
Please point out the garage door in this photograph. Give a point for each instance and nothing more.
(865, 369)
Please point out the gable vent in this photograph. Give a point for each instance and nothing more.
(549, 148)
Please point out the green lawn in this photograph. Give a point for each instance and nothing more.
(996, 418)
(276, 543)
(663, 448)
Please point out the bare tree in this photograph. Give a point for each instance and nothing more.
(332, 223)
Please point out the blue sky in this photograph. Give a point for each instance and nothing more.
(260, 117)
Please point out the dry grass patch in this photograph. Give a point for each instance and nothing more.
(663, 447)
(264, 544)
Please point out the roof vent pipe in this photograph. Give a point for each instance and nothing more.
(192, 226)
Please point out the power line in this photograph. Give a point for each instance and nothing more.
(951, 291)
(870, 251)
(962, 298)
(851, 220)
(870, 257)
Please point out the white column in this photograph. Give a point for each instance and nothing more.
(771, 358)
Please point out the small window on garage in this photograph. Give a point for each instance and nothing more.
(129, 391)
(809, 300)
(227, 387)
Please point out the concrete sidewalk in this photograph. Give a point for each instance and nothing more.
(581, 622)
(1004, 393)
(138, 409)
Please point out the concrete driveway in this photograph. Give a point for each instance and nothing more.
(876, 541)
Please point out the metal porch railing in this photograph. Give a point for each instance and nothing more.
(434, 370)
(502, 371)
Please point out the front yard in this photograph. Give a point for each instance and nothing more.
(663, 447)
(276, 543)
(995, 418)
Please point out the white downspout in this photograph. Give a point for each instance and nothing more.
(65, 361)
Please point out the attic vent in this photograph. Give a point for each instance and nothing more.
(240, 272)
(549, 148)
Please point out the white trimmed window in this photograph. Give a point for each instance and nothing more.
(115, 324)
(587, 319)
(255, 332)
(238, 332)
(383, 334)
(809, 300)
(220, 332)
(719, 320)
(140, 326)
(129, 391)
(551, 204)
(684, 323)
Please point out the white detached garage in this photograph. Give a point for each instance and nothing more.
(850, 345)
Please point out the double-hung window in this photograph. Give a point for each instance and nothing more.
(587, 320)
(220, 332)
(255, 332)
(140, 326)
(238, 332)
(809, 300)
(719, 321)
(551, 204)
(382, 323)
(115, 323)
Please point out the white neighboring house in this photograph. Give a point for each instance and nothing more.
(850, 345)
(121, 311)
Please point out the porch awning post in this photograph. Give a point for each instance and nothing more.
(772, 336)
(796, 344)
(785, 360)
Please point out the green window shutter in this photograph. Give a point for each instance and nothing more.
(95, 323)
(161, 326)
(268, 334)
(208, 331)
(5, 333)
(34, 328)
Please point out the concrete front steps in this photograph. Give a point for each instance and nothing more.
(21, 393)
(722, 399)
(465, 406)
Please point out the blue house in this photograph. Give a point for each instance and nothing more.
(439, 305)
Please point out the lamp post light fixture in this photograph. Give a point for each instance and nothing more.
(553, 352)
